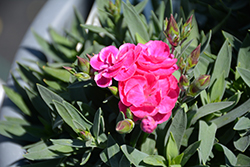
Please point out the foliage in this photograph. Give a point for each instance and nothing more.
(69, 121)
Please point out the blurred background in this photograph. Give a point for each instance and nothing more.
(15, 19)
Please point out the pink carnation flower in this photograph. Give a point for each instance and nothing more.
(149, 95)
(113, 63)
(156, 58)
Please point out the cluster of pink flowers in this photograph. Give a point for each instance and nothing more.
(145, 81)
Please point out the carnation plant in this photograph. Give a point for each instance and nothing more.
(134, 92)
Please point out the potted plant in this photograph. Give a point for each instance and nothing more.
(136, 91)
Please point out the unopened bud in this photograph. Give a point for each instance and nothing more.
(129, 113)
(198, 85)
(125, 126)
(83, 64)
(71, 70)
(82, 76)
(183, 82)
(86, 135)
(193, 58)
(186, 28)
(172, 32)
(148, 124)
(181, 64)
(113, 90)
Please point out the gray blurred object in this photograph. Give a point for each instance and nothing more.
(57, 14)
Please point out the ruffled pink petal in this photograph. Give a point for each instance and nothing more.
(135, 80)
(160, 118)
(136, 96)
(97, 64)
(104, 53)
(125, 73)
(102, 81)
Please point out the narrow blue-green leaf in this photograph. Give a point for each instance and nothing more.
(205, 45)
(245, 74)
(59, 74)
(62, 111)
(178, 127)
(231, 159)
(188, 152)
(96, 123)
(242, 160)
(242, 143)
(223, 62)
(104, 157)
(232, 115)
(133, 155)
(139, 39)
(85, 157)
(76, 115)
(134, 22)
(218, 89)
(98, 30)
(243, 55)
(113, 151)
(155, 160)
(242, 124)
(48, 96)
(148, 146)
(172, 149)
(140, 6)
(47, 47)
(206, 136)
(69, 142)
(17, 99)
(209, 108)
(235, 42)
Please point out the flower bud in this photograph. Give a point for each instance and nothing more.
(82, 76)
(172, 32)
(129, 113)
(125, 126)
(181, 64)
(83, 64)
(71, 70)
(113, 90)
(86, 135)
(148, 124)
(183, 82)
(198, 85)
(186, 28)
(193, 58)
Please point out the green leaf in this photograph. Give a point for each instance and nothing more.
(243, 55)
(124, 162)
(245, 74)
(242, 160)
(155, 160)
(172, 150)
(47, 47)
(218, 89)
(188, 152)
(85, 157)
(178, 127)
(139, 39)
(148, 146)
(98, 30)
(232, 115)
(48, 96)
(140, 6)
(17, 99)
(206, 136)
(134, 22)
(113, 151)
(208, 109)
(229, 156)
(242, 124)
(223, 62)
(69, 142)
(59, 74)
(53, 84)
(77, 115)
(96, 123)
(133, 155)
(242, 143)
(62, 111)
(235, 42)
(205, 45)
(44, 152)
